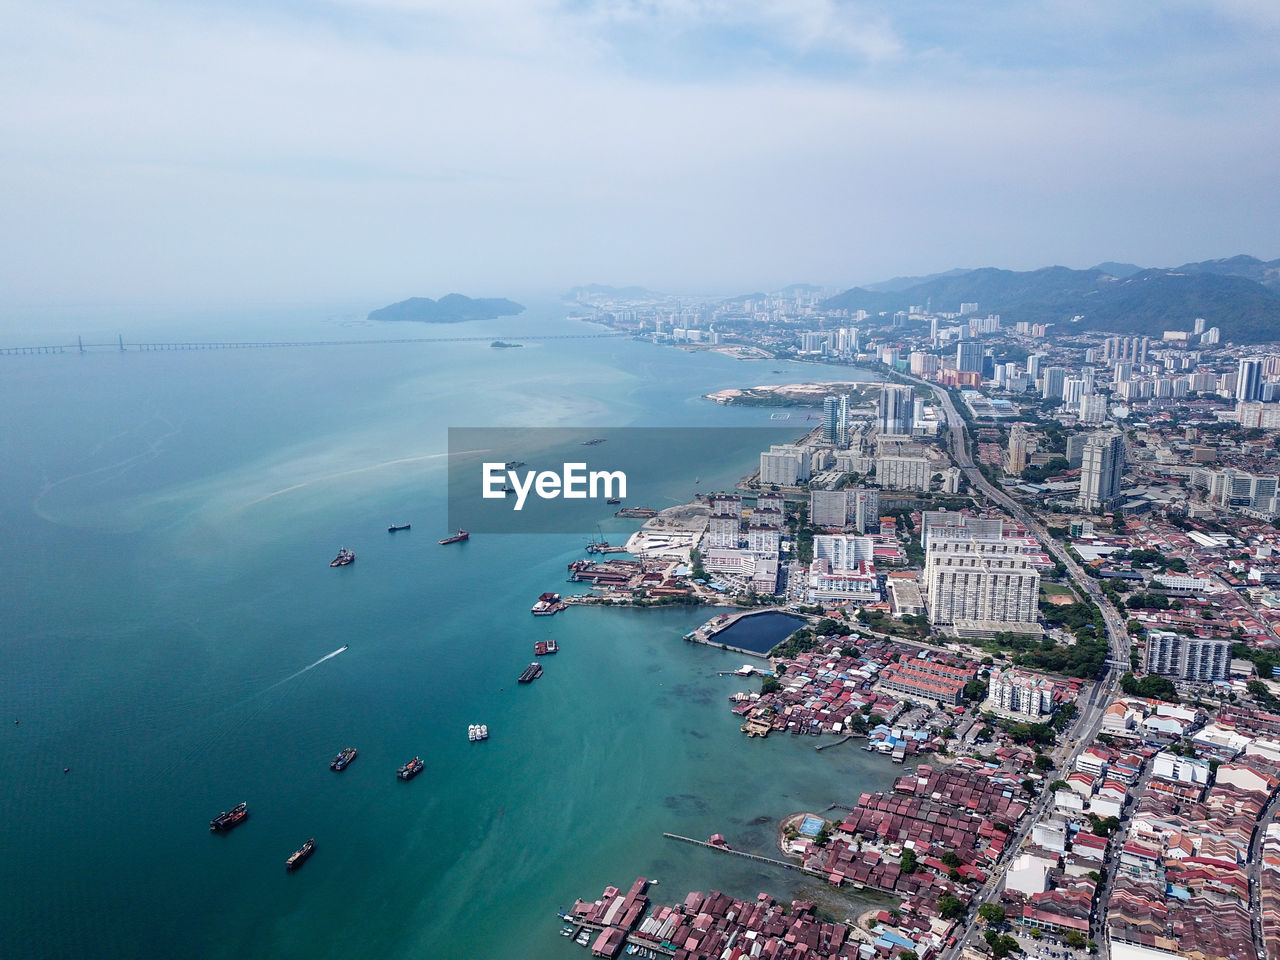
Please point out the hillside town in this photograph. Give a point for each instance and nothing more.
(1038, 568)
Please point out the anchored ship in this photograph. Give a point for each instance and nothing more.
(341, 761)
(397, 526)
(231, 818)
(547, 604)
(410, 769)
(344, 557)
(299, 856)
(543, 647)
(531, 673)
(457, 537)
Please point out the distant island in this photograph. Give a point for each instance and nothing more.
(452, 308)
(503, 345)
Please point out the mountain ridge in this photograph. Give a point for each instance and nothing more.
(1149, 301)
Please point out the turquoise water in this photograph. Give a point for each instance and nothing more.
(168, 521)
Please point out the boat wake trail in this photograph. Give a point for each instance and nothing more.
(229, 721)
(310, 666)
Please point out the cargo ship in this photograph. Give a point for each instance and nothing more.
(398, 526)
(477, 732)
(456, 538)
(410, 769)
(637, 513)
(231, 818)
(341, 761)
(299, 856)
(547, 604)
(531, 673)
(543, 647)
(344, 557)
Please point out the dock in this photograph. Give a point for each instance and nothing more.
(835, 743)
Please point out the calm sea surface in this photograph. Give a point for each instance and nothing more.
(168, 520)
(760, 632)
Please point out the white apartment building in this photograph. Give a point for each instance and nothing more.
(904, 472)
(969, 579)
(784, 464)
(1196, 659)
(1012, 691)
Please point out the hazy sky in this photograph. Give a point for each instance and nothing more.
(377, 149)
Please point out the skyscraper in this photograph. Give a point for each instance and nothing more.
(969, 356)
(1017, 449)
(1054, 379)
(1249, 380)
(895, 409)
(835, 420)
(1101, 470)
(1033, 366)
(1087, 376)
(1093, 409)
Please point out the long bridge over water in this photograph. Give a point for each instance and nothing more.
(124, 347)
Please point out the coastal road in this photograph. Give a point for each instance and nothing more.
(1089, 719)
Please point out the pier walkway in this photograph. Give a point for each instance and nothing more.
(742, 853)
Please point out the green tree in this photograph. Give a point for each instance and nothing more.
(1074, 939)
(1043, 762)
(1260, 692)
(992, 914)
(1001, 945)
(909, 862)
(951, 859)
(769, 685)
(950, 907)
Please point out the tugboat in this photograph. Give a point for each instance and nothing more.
(231, 818)
(456, 538)
(340, 762)
(299, 856)
(410, 769)
(397, 526)
(613, 500)
(344, 557)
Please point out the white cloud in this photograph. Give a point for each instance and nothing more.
(166, 151)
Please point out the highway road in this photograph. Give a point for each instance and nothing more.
(1101, 694)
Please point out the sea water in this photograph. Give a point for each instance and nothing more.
(171, 630)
